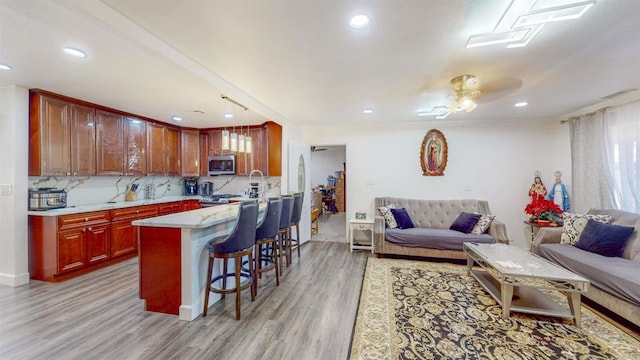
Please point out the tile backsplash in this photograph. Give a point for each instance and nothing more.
(102, 189)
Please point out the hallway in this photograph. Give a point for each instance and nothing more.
(331, 227)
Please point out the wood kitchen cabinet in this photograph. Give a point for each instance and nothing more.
(124, 236)
(83, 140)
(49, 143)
(135, 147)
(163, 150)
(169, 208)
(83, 240)
(190, 143)
(109, 143)
(204, 153)
(187, 205)
(273, 149)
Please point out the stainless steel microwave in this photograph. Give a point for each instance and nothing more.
(222, 165)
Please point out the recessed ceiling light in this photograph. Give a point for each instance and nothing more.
(5, 67)
(176, 118)
(359, 21)
(228, 115)
(367, 111)
(521, 104)
(75, 52)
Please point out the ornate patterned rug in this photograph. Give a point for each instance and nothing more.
(423, 310)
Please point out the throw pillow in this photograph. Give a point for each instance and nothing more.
(573, 224)
(465, 222)
(388, 216)
(604, 239)
(402, 218)
(483, 224)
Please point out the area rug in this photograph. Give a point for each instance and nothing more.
(424, 310)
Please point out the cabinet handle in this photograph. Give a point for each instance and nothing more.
(84, 230)
(86, 219)
(137, 211)
(89, 229)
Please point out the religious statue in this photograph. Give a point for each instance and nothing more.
(559, 193)
(537, 191)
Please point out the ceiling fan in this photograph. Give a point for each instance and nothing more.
(465, 92)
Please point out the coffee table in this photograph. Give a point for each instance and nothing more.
(514, 278)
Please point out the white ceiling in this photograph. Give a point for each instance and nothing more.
(298, 61)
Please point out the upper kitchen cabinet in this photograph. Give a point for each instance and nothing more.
(204, 153)
(135, 147)
(190, 153)
(49, 132)
(62, 137)
(163, 150)
(109, 143)
(273, 148)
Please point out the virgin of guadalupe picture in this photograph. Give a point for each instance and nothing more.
(433, 153)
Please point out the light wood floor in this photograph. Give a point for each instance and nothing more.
(99, 316)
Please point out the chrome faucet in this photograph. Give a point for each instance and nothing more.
(261, 188)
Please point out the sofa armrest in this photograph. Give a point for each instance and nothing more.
(378, 234)
(546, 235)
(498, 230)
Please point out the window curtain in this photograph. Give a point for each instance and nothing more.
(605, 160)
(622, 161)
(589, 181)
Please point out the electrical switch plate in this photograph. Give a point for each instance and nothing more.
(6, 189)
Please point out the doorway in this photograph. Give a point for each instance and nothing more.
(328, 183)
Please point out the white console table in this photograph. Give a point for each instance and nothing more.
(363, 225)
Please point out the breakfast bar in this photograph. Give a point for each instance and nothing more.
(173, 257)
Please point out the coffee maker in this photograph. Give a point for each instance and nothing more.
(190, 186)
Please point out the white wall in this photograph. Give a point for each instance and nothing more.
(14, 150)
(493, 161)
(326, 162)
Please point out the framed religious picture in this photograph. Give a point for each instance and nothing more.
(433, 153)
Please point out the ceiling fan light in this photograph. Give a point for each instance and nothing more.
(559, 13)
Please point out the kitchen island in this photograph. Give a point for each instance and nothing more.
(173, 258)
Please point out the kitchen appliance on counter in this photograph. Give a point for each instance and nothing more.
(190, 186)
(221, 165)
(253, 190)
(216, 199)
(206, 188)
(42, 199)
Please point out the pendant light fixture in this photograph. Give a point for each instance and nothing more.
(225, 133)
(248, 144)
(235, 142)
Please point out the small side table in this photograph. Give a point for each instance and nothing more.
(363, 225)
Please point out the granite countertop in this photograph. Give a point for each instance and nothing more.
(199, 218)
(108, 206)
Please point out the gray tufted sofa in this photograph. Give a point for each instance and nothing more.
(615, 283)
(432, 219)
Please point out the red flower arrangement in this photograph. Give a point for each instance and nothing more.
(543, 209)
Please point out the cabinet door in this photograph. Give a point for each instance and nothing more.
(204, 153)
(273, 146)
(123, 238)
(71, 250)
(172, 150)
(257, 160)
(190, 140)
(109, 143)
(83, 140)
(97, 243)
(242, 165)
(155, 149)
(169, 208)
(54, 146)
(215, 143)
(135, 147)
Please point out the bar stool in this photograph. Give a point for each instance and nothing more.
(234, 246)
(283, 229)
(295, 221)
(266, 235)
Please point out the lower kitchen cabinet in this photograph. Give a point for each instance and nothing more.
(61, 247)
(124, 236)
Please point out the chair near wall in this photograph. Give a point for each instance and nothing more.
(284, 247)
(295, 221)
(266, 251)
(234, 246)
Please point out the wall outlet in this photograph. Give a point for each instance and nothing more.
(6, 189)
(268, 185)
(169, 187)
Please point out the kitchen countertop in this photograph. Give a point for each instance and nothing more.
(108, 206)
(197, 219)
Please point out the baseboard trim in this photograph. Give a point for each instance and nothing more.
(14, 280)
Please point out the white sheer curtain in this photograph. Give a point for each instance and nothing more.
(589, 181)
(605, 159)
(622, 142)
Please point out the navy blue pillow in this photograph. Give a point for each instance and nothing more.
(402, 218)
(604, 239)
(465, 222)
